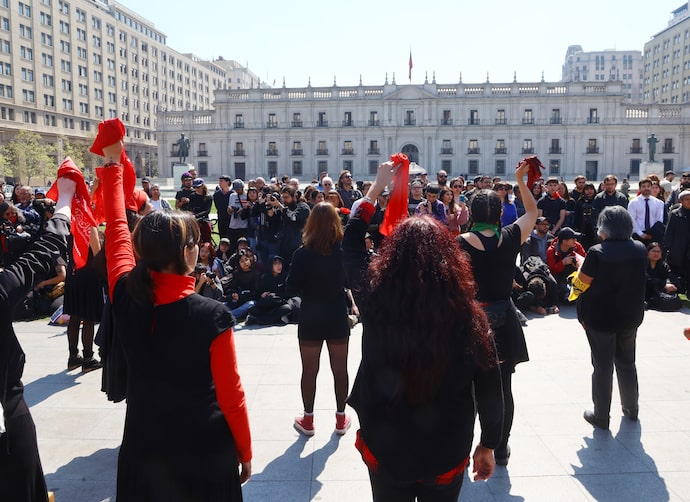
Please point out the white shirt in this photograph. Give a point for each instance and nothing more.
(636, 208)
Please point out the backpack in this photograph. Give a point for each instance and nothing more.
(534, 266)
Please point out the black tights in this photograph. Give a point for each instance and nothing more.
(508, 404)
(86, 336)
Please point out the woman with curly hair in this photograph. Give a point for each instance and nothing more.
(420, 373)
(318, 278)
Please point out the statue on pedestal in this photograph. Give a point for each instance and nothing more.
(652, 140)
(183, 148)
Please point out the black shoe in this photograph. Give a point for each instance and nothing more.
(90, 364)
(502, 456)
(250, 320)
(596, 422)
(74, 362)
(631, 414)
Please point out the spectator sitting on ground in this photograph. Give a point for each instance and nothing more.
(661, 291)
(206, 283)
(538, 241)
(272, 305)
(535, 289)
(223, 250)
(244, 286)
(563, 257)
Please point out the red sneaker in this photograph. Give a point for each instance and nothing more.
(305, 424)
(342, 423)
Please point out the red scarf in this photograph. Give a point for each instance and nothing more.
(535, 167)
(169, 288)
(396, 211)
(82, 217)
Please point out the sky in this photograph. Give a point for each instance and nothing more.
(323, 40)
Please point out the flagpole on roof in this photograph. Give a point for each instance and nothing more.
(410, 66)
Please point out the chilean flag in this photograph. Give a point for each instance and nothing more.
(410, 73)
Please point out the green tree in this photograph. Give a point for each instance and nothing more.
(29, 157)
(4, 162)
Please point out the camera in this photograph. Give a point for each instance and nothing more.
(236, 211)
(210, 275)
(273, 198)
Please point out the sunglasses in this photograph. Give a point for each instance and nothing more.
(347, 176)
(456, 186)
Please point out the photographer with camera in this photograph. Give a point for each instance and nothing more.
(200, 204)
(238, 226)
(206, 283)
(269, 234)
(564, 257)
(13, 237)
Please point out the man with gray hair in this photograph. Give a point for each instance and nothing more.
(610, 292)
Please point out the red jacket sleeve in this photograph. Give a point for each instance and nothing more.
(230, 393)
(556, 266)
(118, 240)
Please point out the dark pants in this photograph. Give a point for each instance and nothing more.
(385, 489)
(507, 371)
(609, 349)
(234, 234)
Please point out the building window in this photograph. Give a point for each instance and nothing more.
(593, 116)
(239, 149)
(322, 165)
(592, 146)
(374, 119)
(296, 120)
(473, 166)
(347, 148)
(501, 117)
(409, 118)
(447, 165)
(527, 147)
(297, 148)
(500, 166)
(272, 121)
(272, 149)
(272, 169)
(347, 120)
(446, 149)
(239, 121)
(668, 164)
(446, 120)
(473, 148)
(668, 146)
(555, 148)
(528, 117)
(635, 167)
(474, 117)
(322, 149)
(373, 166)
(373, 147)
(297, 168)
(322, 122)
(554, 167)
(636, 146)
(347, 165)
(556, 116)
(501, 147)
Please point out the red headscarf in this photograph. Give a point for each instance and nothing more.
(82, 218)
(396, 210)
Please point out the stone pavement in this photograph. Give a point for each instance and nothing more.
(556, 455)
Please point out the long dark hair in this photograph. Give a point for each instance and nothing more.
(160, 239)
(422, 305)
(486, 207)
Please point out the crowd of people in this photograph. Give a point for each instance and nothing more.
(326, 256)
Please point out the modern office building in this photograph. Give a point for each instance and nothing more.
(582, 127)
(238, 76)
(605, 66)
(666, 62)
(67, 65)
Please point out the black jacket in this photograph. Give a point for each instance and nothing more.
(676, 237)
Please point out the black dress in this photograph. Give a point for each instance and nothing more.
(84, 292)
(320, 281)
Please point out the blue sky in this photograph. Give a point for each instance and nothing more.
(321, 40)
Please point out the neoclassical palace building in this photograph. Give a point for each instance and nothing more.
(574, 127)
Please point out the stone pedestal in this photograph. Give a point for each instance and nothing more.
(179, 168)
(651, 167)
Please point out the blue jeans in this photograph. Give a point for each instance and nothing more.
(241, 311)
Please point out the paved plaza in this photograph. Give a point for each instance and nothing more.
(556, 455)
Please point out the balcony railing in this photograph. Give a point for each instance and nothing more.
(635, 149)
(271, 125)
(473, 122)
(239, 125)
(238, 153)
(202, 153)
(374, 123)
(298, 151)
(668, 149)
(473, 151)
(556, 120)
(322, 151)
(592, 149)
(447, 122)
(296, 123)
(347, 123)
(555, 150)
(527, 121)
(446, 151)
(501, 122)
(373, 151)
(592, 120)
(271, 153)
(410, 122)
(322, 123)
(348, 151)
(501, 151)
(527, 150)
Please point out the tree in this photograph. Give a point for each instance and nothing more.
(29, 157)
(4, 162)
